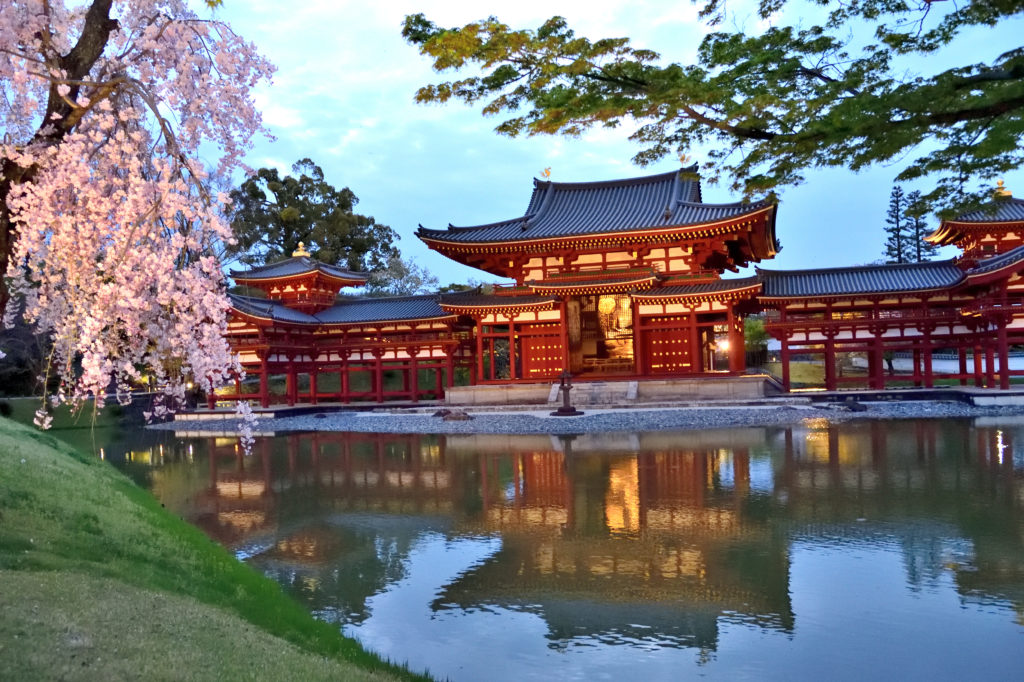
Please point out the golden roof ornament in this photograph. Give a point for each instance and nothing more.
(1002, 191)
(300, 252)
(546, 173)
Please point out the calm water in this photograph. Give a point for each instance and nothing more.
(885, 550)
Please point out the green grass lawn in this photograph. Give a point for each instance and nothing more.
(97, 581)
(23, 410)
(803, 374)
(800, 373)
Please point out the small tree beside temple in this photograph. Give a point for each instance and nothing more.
(907, 228)
(917, 228)
(897, 243)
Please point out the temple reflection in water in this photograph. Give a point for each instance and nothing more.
(624, 538)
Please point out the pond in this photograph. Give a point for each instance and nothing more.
(887, 549)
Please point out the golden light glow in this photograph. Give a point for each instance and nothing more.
(622, 501)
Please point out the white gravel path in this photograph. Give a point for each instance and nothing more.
(601, 420)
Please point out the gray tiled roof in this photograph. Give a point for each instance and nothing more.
(352, 311)
(475, 299)
(998, 262)
(565, 209)
(299, 265)
(383, 309)
(865, 279)
(1005, 209)
(610, 279)
(272, 310)
(700, 288)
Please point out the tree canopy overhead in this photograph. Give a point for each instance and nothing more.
(840, 92)
(270, 215)
(107, 225)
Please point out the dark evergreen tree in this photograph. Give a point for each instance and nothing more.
(898, 248)
(918, 229)
(270, 215)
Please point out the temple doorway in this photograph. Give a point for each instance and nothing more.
(605, 335)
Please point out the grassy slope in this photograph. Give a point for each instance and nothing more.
(97, 580)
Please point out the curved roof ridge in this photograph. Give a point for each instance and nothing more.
(306, 264)
(997, 261)
(726, 204)
(738, 280)
(497, 223)
(848, 268)
(619, 182)
(1000, 210)
(371, 299)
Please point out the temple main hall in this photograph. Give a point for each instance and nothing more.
(635, 279)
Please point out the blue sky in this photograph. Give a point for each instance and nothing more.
(343, 96)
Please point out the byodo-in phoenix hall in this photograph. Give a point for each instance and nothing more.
(623, 280)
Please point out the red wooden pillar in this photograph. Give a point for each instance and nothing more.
(449, 369)
(978, 371)
(489, 344)
(346, 390)
(639, 336)
(737, 349)
(1004, 356)
(378, 376)
(414, 377)
(312, 385)
(784, 358)
(480, 350)
(696, 352)
(916, 354)
(564, 331)
(439, 374)
(830, 363)
(990, 366)
(877, 362)
(291, 385)
(961, 352)
(264, 382)
(927, 351)
(511, 349)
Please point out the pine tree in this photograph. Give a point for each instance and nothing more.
(917, 227)
(898, 246)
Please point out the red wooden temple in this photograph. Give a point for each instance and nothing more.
(971, 307)
(623, 279)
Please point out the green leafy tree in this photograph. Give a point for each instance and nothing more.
(899, 243)
(850, 90)
(456, 287)
(917, 228)
(401, 278)
(755, 336)
(270, 215)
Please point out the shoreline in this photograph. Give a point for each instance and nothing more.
(593, 420)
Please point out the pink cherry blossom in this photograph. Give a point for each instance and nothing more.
(109, 233)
